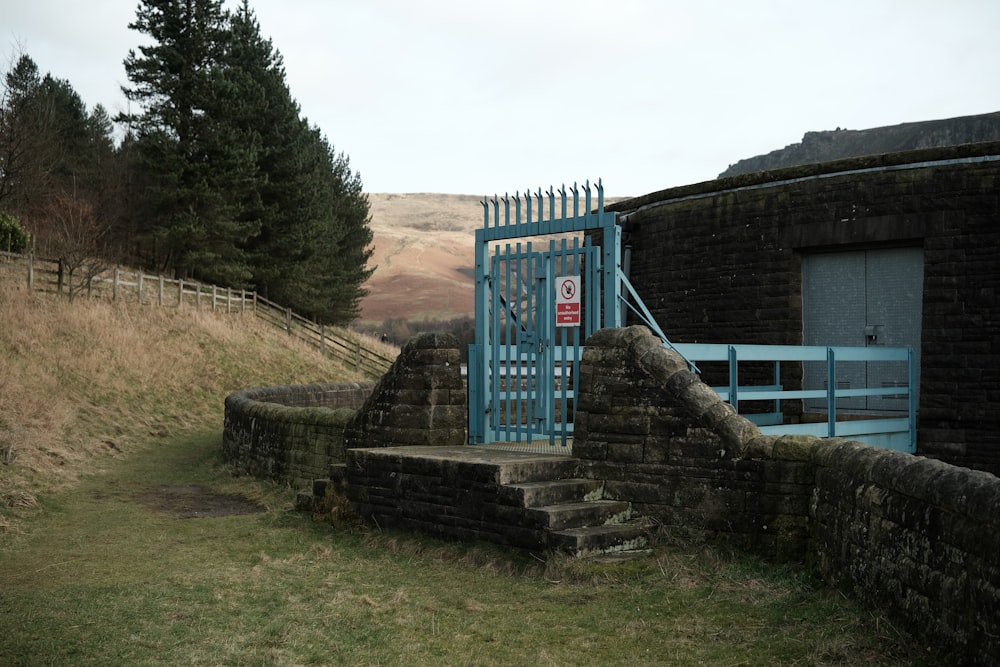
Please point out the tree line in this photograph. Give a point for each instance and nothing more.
(217, 175)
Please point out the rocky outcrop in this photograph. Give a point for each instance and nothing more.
(830, 145)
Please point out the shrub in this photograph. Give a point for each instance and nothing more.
(13, 238)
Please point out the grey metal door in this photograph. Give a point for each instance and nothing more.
(863, 298)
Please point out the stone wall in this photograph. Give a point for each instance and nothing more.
(721, 262)
(662, 439)
(290, 433)
(917, 537)
(300, 433)
(420, 401)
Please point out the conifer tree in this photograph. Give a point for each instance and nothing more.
(198, 166)
(52, 150)
(313, 247)
(239, 187)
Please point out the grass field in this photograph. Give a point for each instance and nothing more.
(96, 568)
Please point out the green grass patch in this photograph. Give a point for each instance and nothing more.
(100, 576)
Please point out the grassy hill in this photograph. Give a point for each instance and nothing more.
(84, 383)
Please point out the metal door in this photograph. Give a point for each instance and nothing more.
(542, 287)
(863, 298)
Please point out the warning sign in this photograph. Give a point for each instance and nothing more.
(568, 301)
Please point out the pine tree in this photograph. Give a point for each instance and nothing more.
(52, 151)
(23, 146)
(313, 247)
(239, 187)
(197, 166)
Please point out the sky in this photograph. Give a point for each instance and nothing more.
(483, 97)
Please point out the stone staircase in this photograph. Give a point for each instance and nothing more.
(575, 516)
(530, 501)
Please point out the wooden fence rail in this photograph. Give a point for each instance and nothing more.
(123, 285)
(329, 342)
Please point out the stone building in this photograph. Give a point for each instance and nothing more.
(900, 249)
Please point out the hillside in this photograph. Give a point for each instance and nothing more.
(842, 143)
(423, 256)
(85, 382)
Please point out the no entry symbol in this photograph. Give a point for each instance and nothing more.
(568, 302)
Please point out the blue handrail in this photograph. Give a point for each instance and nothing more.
(888, 430)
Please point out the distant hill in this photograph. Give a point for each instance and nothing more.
(841, 143)
(423, 256)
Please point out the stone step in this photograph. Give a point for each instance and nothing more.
(551, 492)
(595, 540)
(472, 465)
(579, 514)
(542, 468)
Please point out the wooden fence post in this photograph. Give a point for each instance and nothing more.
(114, 288)
(229, 300)
(288, 320)
(322, 339)
(31, 272)
(357, 357)
(180, 293)
(214, 297)
(138, 290)
(197, 296)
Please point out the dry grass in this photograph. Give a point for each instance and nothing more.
(82, 383)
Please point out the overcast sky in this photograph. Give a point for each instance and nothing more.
(477, 97)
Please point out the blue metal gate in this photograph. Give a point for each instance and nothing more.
(541, 289)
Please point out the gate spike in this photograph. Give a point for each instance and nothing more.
(496, 212)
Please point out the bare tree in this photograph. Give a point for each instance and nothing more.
(70, 231)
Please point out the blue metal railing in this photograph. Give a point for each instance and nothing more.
(879, 427)
(899, 433)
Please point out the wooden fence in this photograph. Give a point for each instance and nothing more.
(122, 285)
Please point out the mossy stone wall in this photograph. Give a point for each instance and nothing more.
(290, 433)
(915, 536)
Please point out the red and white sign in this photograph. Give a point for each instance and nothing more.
(568, 301)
